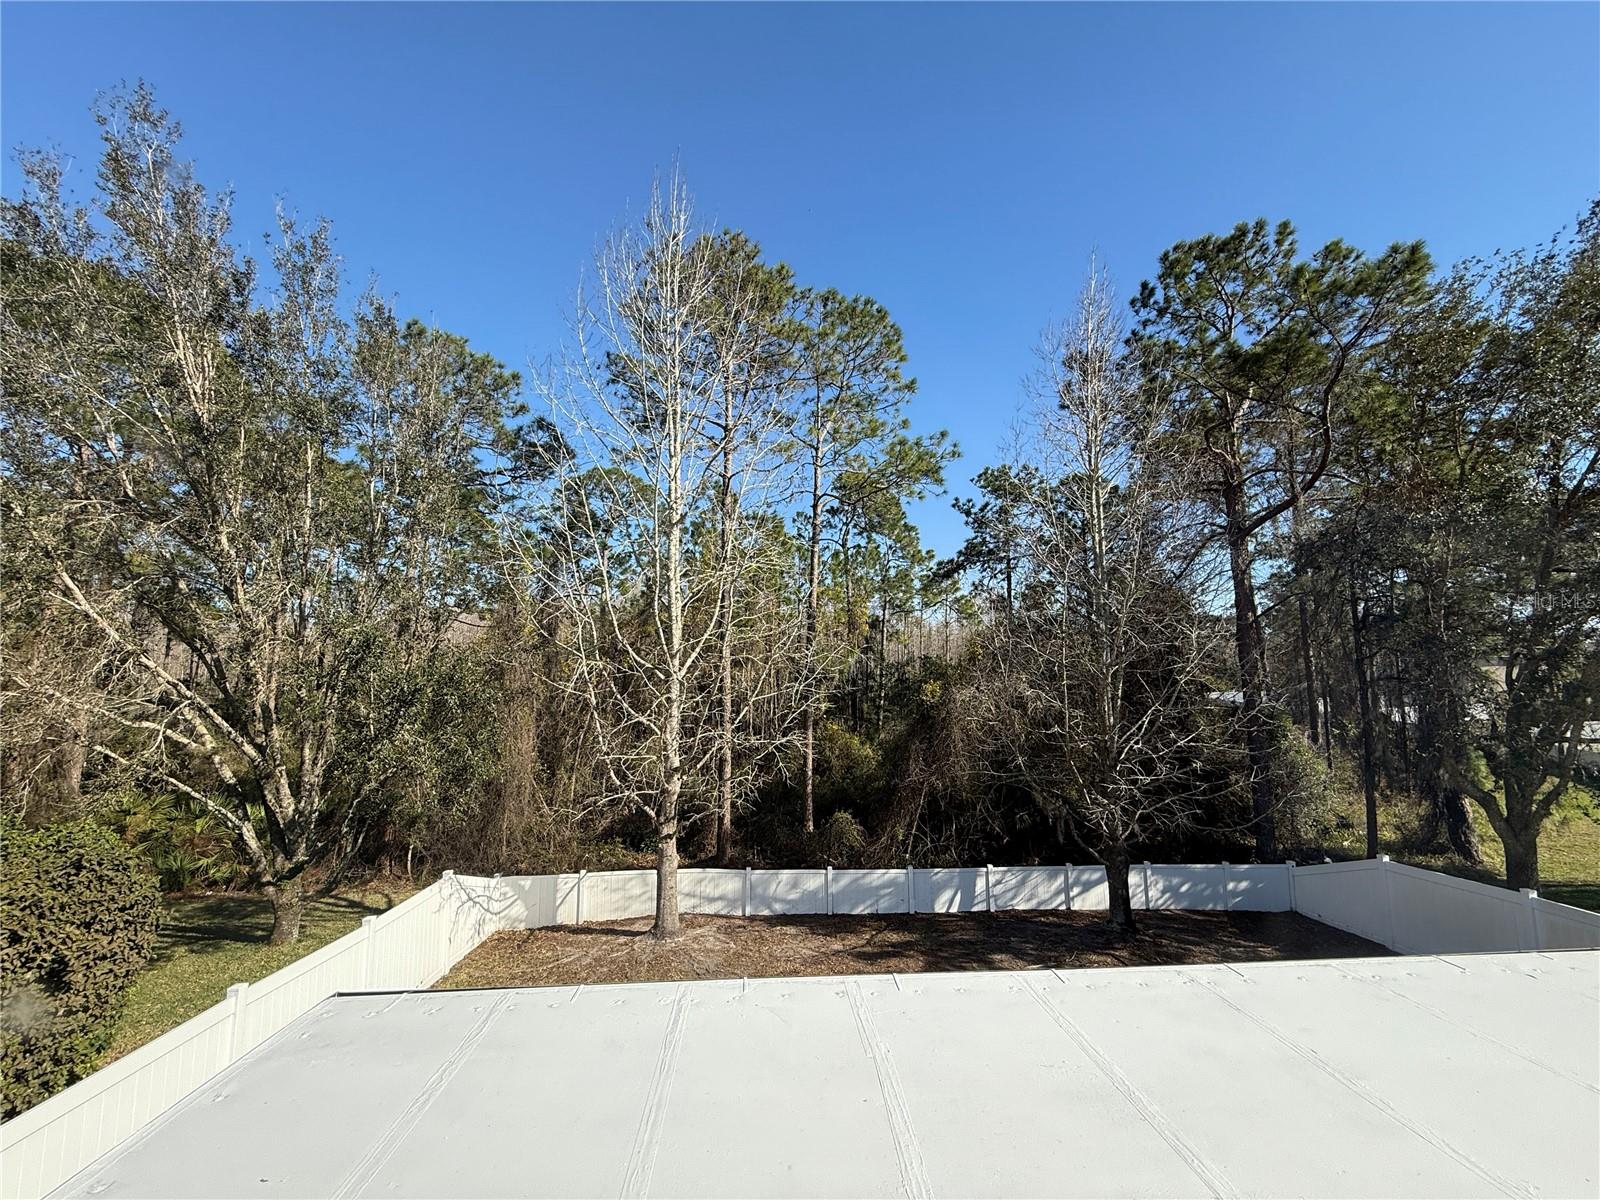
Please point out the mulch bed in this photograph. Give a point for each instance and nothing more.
(737, 947)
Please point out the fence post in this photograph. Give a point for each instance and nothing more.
(582, 871)
(1530, 901)
(1388, 896)
(1227, 890)
(1147, 885)
(830, 890)
(239, 993)
(911, 890)
(747, 891)
(1066, 884)
(446, 884)
(1288, 871)
(366, 952)
(988, 885)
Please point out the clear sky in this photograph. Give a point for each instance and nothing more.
(959, 163)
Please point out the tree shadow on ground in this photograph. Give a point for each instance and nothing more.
(205, 924)
(733, 947)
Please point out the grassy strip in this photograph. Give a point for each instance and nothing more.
(208, 943)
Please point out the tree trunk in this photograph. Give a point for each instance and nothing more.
(808, 807)
(288, 908)
(1458, 827)
(668, 923)
(1252, 654)
(1308, 672)
(725, 751)
(1327, 718)
(808, 813)
(1404, 722)
(1121, 894)
(1522, 858)
(71, 756)
(1369, 768)
(883, 656)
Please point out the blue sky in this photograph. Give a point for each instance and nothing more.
(960, 163)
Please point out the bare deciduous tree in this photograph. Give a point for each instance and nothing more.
(1098, 675)
(651, 542)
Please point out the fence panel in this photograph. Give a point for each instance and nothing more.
(858, 892)
(788, 893)
(1438, 914)
(1259, 887)
(711, 892)
(1562, 927)
(1348, 896)
(284, 995)
(1191, 887)
(401, 950)
(618, 895)
(949, 889)
(533, 901)
(569, 894)
(471, 908)
(1089, 889)
(1029, 887)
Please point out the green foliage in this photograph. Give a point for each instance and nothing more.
(1308, 796)
(188, 849)
(849, 763)
(841, 840)
(77, 922)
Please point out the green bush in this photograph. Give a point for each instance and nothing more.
(1307, 793)
(77, 921)
(185, 846)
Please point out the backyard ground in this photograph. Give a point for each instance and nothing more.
(736, 947)
(207, 943)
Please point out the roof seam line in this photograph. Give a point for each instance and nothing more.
(400, 1128)
(1211, 1176)
(907, 1152)
(1508, 1186)
(647, 1140)
(1439, 1014)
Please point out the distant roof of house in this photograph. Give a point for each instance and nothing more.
(1466, 1075)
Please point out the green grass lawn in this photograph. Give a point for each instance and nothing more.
(207, 943)
(1569, 847)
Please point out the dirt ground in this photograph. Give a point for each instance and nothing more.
(735, 947)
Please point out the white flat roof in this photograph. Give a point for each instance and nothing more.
(1471, 1075)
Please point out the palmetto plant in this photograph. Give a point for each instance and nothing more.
(186, 848)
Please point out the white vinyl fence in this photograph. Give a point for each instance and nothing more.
(410, 946)
(1413, 911)
(416, 943)
(618, 895)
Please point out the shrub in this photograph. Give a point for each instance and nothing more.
(841, 840)
(1307, 792)
(186, 847)
(77, 921)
